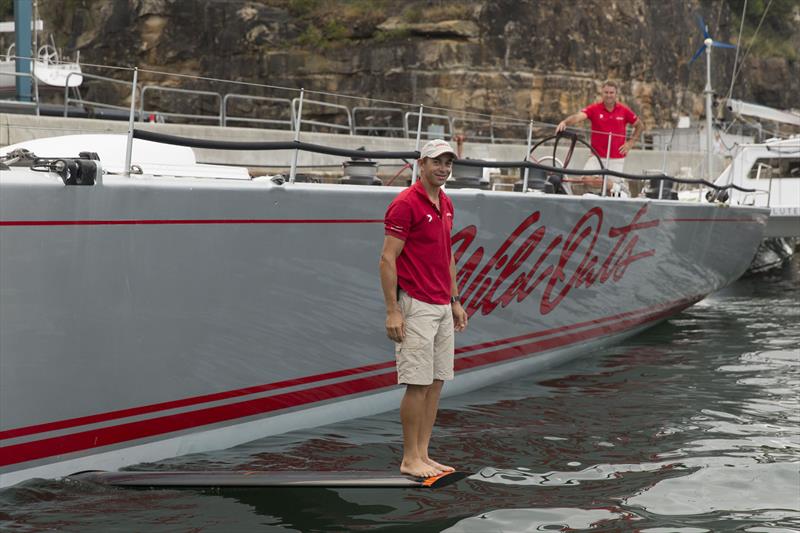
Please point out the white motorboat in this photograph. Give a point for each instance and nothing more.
(772, 170)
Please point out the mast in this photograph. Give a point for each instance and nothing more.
(709, 93)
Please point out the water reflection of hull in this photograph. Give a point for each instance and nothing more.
(149, 317)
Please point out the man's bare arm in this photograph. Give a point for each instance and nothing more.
(638, 128)
(459, 314)
(580, 116)
(392, 246)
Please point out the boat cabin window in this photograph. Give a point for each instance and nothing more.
(781, 167)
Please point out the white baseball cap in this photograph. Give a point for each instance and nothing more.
(435, 148)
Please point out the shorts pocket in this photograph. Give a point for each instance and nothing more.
(415, 365)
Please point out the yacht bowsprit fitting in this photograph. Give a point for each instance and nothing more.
(82, 170)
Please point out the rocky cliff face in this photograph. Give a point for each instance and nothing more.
(525, 58)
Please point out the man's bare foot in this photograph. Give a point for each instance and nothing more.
(439, 466)
(418, 468)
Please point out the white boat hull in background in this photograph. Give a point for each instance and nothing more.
(773, 170)
(49, 75)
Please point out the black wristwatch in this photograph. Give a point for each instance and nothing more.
(454, 299)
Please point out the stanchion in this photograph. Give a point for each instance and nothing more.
(129, 143)
(608, 161)
(414, 169)
(298, 121)
(527, 157)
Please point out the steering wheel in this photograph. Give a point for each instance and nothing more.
(564, 162)
(552, 161)
(47, 54)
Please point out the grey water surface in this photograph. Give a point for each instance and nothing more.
(691, 426)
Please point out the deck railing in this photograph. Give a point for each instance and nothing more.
(218, 117)
(372, 120)
(331, 125)
(226, 117)
(34, 103)
(369, 127)
(436, 120)
(83, 102)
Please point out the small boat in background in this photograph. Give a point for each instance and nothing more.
(49, 71)
(771, 168)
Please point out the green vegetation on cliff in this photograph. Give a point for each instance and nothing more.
(774, 38)
(332, 24)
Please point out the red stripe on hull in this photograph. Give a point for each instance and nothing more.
(670, 305)
(513, 352)
(86, 440)
(143, 222)
(182, 222)
(196, 400)
(184, 402)
(131, 431)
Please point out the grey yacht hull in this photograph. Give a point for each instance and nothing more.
(148, 317)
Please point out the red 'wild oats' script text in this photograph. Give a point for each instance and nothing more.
(523, 261)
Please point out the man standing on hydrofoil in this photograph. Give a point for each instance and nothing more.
(418, 277)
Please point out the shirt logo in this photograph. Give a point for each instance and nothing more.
(449, 214)
(430, 218)
(601, 115)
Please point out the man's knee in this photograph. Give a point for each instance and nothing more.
(417, 390)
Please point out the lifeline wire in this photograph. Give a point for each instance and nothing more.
(753, 40)
(738, 45)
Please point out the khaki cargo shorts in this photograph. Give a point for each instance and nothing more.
(617, 165)
(426, 352)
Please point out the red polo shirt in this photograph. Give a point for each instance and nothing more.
(605, 122)
(423, 267)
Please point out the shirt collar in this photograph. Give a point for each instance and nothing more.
(420, 189)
